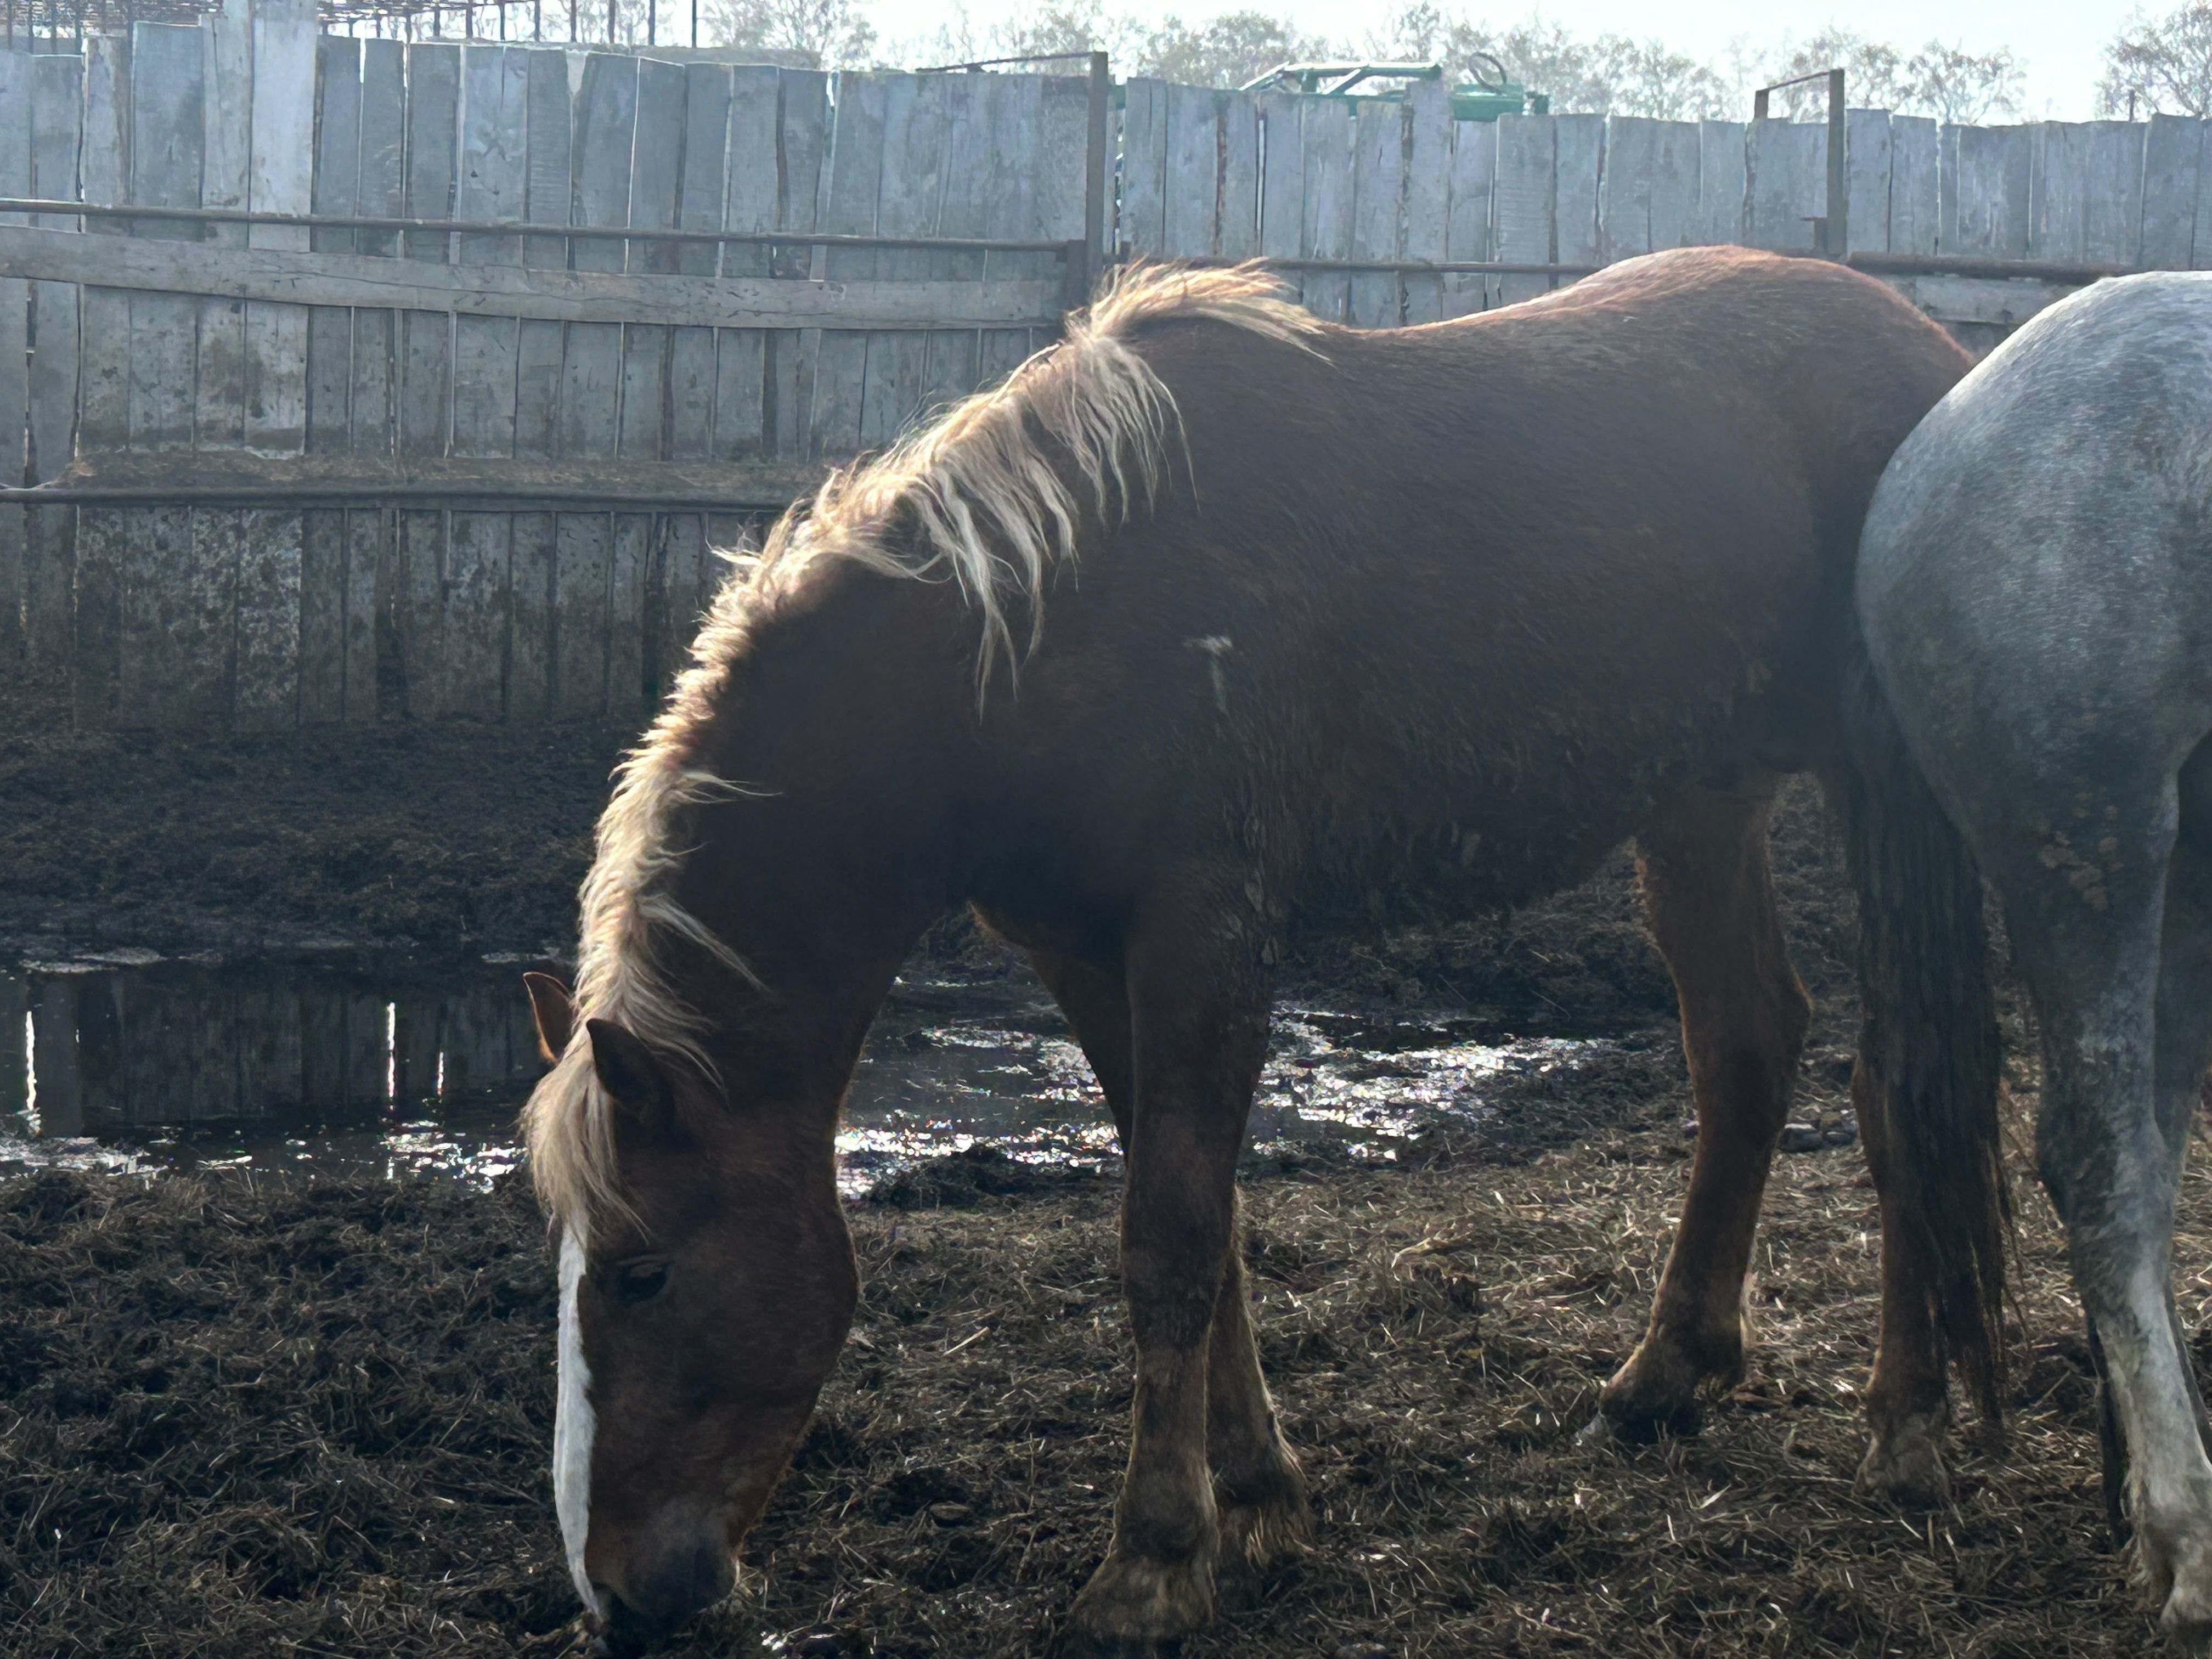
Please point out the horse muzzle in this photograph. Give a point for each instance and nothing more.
(658, 1595)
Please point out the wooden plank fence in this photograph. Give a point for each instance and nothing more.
(578, 382)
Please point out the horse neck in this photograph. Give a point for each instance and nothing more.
(847, 730)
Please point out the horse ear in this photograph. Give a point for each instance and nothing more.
(554, 1013)
(626, 1069)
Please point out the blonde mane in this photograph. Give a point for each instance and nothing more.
(990, 495)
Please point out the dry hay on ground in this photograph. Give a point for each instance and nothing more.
(241, 1419)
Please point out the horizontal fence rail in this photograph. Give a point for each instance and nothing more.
(361, 378)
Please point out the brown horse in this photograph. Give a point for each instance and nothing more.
(1213, 625)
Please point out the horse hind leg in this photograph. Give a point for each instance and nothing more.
(1709, 891)
(2123, 982)
(1262, 1514)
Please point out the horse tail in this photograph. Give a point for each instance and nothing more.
(1928, 1034)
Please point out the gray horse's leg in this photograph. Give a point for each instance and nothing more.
(2088, 923)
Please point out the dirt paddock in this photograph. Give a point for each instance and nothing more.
(240, 1416)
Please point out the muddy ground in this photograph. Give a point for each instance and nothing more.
(241, 1416)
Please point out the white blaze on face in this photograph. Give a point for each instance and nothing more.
(573, 1422)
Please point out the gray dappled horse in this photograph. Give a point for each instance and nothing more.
(2035, 584)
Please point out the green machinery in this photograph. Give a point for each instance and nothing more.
(1484, 96)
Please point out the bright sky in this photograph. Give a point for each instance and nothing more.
(2060, 43)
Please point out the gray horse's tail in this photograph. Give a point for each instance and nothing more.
(1929, 1034)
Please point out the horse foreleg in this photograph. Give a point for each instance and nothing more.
(1198, 1016)
(1259, 1490)
(1709, 891)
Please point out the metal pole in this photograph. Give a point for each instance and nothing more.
(611, 22)
(1759, 105)
(1097, 163)
(652, 19)
(1839, 191)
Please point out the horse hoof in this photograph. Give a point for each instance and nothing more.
(1656, 1392)
(1137, 1609)
(1258, 1541)
(1905, 1463)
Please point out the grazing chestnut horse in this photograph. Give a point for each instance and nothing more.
(1214, 625)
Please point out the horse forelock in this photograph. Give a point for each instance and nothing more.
(993, 495)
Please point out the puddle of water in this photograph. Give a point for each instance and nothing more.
(130, 1062)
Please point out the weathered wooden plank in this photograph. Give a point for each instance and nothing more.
(1427, 193)
(281, 182)
(1723, 181)
(337, 171)
(752, 176)
(1056, 199)
(490, 187)
(178, 604)
(582, 561)
(1143, 222)
(104, 314)
(1282, 184)
(92, 642)
(949, 365)
(322, 617)
(606, 119)
(380, 191)
(269, 556)
(418, 610)
(1193, 189)
(2056, 224)
(1868, 162)
(2086, 200)
(1378, 184)
(2173, 151)
(479, 556)
(1236, 233)
(53, 1038)
(39, 628)
(529, 614)
(16, 115)
(682, 592)
(1985, 211)
(381, 187)
(14, 1007)
(1473, 166)
(1789, 183)
(655, 184)
(605, 128)
(368, 1054)
(849, 207)
(1632, 144)
(1327, 208)
(167, 120)
(425, 394)
(790, 373)
(1010, 211)
(539, 342)
(1674, 159)
(367, 534)
(629, 671)
(915, 138)
(226, 169)
(1578, 160)
(1912, 185)
(1522, 200)
(701, 196)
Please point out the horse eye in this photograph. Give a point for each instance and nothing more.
(640, 1282)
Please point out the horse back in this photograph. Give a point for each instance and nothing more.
(1435, 616)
